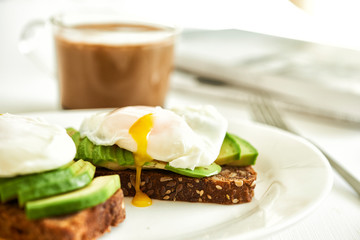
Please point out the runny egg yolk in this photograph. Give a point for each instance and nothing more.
(140, 131)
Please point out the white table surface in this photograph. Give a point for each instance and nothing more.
(24, 88)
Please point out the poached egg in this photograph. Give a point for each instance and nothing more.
(30, 145)
(185, 137)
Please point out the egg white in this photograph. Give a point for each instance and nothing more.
(186, 137)
(30, 145)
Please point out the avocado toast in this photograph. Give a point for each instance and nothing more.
(60, 204)
(43, 196)
(229, 180)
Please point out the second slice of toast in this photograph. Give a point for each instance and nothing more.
(87, 224)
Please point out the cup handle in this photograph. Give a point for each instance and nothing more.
(34, 43)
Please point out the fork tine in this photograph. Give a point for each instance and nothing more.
(256, 112)
(264, 111)
(274, 114)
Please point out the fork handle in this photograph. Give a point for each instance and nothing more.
(349, 178)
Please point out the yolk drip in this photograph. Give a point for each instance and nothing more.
(140, 131)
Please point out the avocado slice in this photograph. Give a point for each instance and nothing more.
(107, 153)
(10, 188)
(230, 150)
(248, 153)
(86, 149)
(198, 172)
(75, 135)
(98, 191)
(57, 186)
(129, 157)
(4, 180)
(100, 155)
(155, 164)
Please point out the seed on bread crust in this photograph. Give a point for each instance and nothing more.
(171, 184)
(165, 179)
(132, 180)
(200, 192)
(232, 175)
(238, 183)
(179, 188)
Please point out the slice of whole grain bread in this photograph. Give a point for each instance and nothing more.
(232, 185)
(87, 224)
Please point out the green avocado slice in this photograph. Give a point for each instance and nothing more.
(198, 172)
(4, 180)
(248, 153)
(57, 186)
(98, 191)
(10, 188)
(100, 155)
(230, 150)
(75, 135)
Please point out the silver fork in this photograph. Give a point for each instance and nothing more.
(264, 111)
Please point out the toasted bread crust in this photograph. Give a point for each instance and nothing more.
(232, 185)
(87, 224)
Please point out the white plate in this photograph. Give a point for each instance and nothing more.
(293, 178)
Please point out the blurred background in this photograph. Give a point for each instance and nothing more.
(309, 53)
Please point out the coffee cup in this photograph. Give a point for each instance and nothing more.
(105, 60)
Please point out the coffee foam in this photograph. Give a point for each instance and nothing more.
(117, 38)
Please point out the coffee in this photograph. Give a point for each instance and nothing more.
(113, 65)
